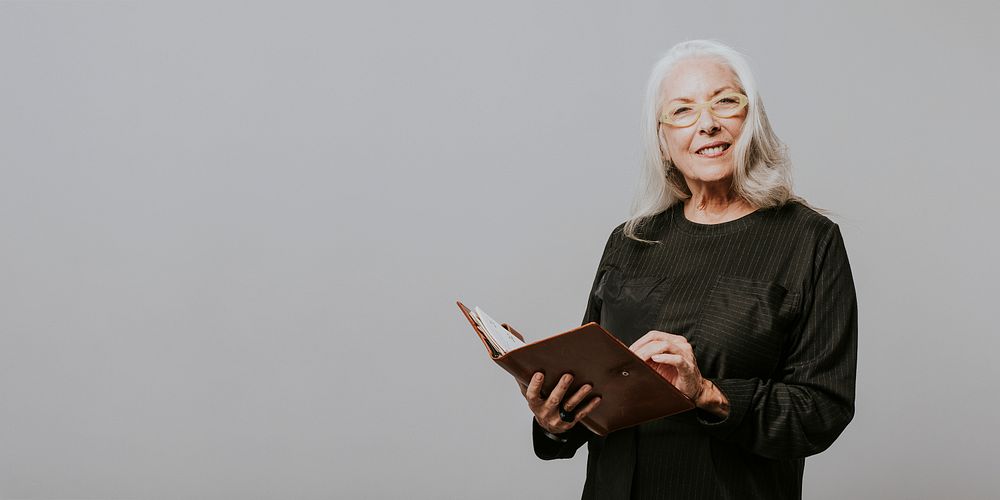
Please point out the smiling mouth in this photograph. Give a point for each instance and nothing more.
(713, 151)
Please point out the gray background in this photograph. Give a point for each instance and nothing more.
(231, 236)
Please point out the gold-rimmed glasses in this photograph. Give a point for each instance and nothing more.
(685, 114)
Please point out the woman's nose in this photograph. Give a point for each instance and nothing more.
(708, 123)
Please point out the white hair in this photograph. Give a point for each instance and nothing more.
(761, 167)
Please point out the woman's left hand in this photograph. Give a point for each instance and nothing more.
(673, 358)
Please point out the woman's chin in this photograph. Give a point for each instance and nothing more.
(711, 173)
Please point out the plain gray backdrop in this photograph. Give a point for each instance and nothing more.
(232, 235)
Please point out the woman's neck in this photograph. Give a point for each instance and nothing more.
(715, 208)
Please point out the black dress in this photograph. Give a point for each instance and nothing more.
(767, 302)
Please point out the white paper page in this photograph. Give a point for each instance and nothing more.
(502, 338)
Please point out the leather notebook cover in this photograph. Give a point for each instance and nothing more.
(631, 391)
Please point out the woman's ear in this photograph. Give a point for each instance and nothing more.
(664, 151)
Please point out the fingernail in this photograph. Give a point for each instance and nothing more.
(537, 377)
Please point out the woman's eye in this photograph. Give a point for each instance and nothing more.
(728, 100)
(679, 111)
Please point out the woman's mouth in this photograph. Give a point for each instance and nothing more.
(713, 151)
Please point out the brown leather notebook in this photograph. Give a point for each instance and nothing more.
(631, 391)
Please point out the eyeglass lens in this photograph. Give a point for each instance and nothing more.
(683, 114)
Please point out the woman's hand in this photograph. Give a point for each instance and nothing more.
(547, 410)
(673, 358)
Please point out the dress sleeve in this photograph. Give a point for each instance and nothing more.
(806, 407)
(545, 447)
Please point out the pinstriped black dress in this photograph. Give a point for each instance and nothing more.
(767, 302)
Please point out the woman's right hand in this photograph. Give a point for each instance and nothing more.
(547, 410)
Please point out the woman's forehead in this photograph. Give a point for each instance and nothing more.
(698, 79)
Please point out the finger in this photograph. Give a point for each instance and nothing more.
(577, 397)
(556, 396)
(679, 346)
(680, 343)
(587, 408)
(671, 346)
(660, 336)
(655, 347)
(675, 360)
(534, 389)
(648, 337)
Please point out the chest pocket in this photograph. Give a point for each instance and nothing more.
(630, 307)
(743, 326)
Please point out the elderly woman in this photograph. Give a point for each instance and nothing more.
(732, 287)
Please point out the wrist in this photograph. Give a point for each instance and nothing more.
(554, 437)
(703, 397)
(712, 400)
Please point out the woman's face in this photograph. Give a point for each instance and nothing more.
(699, 80)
